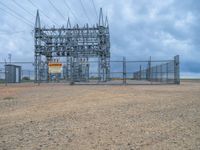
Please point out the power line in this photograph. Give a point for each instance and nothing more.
(85, 11)
(23, 8)
(95, 8)
(57, 9)
(42, 12)
(16, 32)
(3, 31)
(17, 17)
(71, 10)
(15, 12)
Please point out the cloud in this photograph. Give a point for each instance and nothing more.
(139, 28)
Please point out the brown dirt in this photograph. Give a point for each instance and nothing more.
(58, 116)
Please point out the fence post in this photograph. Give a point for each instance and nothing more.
(167, 70)
(99, 70)
(29, 74)
(156, 75)
(176, 70)
(71, 71)
(6, 81)
(40, 71)
(150, 69)
(124, 70)
(140, 73)
(161, 71)
(36, 69)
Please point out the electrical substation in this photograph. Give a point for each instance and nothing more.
(77, 45)
(80, 45)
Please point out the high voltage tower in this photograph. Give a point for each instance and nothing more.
(76, 44)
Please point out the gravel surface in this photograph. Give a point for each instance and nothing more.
(59, 116)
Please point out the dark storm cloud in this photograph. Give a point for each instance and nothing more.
(139, 29)
(161, 30)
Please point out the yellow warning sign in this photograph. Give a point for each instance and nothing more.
(55, 67)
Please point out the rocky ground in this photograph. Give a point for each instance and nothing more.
(59, 116)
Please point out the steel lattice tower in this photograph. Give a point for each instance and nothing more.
(77, 45)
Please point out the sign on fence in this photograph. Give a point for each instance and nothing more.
(55, 67)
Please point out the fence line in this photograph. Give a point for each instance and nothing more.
(121, 72)
(166, 72)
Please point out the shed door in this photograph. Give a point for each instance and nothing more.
(17, 75)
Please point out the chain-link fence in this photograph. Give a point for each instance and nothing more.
(122, 72)
(160, 71)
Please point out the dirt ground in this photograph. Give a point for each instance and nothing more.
(59, 116)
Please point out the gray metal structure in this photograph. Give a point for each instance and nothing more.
(12, 73)
(77, 44)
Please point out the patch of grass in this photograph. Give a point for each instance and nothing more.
(8, 98)
(2, 81)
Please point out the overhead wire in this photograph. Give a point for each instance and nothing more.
(30, 1)
(17, 17)
(95, 8)
(15, 32)
(65, 3)
(85, 11)
(15, 12)
(56, 9)
(33, 4)
(19, 5)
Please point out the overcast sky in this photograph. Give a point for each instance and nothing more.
(138, 28)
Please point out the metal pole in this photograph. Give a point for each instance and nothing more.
(161, 73)
(71, 71)
(67, 68)
(39, 70)
(156, 75)
(35, 68)
(108, 69)
(124, 70)
(176, 69)
(5, 73)
(167, 72)
(29, 74)
(99, 69)
(140, 72)
(150, 70)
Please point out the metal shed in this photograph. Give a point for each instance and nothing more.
(13, 73)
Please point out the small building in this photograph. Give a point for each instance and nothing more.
(13, 73)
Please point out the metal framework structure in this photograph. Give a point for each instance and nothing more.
(77, 44)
